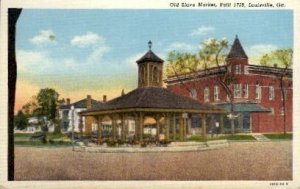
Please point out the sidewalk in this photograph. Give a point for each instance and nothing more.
(175, 147)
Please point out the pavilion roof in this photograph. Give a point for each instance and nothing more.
(150, 57)
(153, 98)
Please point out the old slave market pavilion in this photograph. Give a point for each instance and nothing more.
(169, 110)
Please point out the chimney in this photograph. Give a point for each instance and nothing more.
(68, 101)
(275, 65)
(104, 98)
(122, 93)
(88, 102)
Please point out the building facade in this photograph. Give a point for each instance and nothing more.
(69, 115)
(259, 101)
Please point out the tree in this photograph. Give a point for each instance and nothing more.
(47, 100)
(20, 120)
(211, 54)
(282, 58)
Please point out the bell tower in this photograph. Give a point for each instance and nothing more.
(150, 69)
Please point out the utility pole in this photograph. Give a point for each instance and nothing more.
(72, 120)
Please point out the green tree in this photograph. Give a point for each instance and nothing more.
(20, 120)
(283, 58)
(47, 100)
(212, 53)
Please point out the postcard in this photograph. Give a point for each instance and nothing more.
(158, 94)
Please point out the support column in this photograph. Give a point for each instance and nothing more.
(141, 127)
(174, 127)
(203, 124)
(181, 128)
(114, 127)
(222, 124)
(157, 127)
(184, 128)
(99, 133)
(167, 129)
(123, 136)
(136, 127)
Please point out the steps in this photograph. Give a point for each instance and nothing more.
(260, 137)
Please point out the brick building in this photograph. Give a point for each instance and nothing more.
(258, 101)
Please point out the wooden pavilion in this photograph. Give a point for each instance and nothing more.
(150, 99)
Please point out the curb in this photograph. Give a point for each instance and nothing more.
(201, 147)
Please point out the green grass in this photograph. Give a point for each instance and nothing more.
(23, 134)
(197, 138)
(237, 137)
(54, 135)
(279, 136)
(39, 143)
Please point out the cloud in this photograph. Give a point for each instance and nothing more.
(87, 40)
(32, 60)
(182, 47)
(260, 49)
(45, 36)
(97, 54)
(202, 30)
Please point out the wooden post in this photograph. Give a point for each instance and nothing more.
(167, 130)
(136, 128)
(181, 128)
(184, 128)
(203, 124)
(174, 127)
(141, 125)
(114, 125)
(157, 127)
(221, 123)
(123, 128)
(99, 133)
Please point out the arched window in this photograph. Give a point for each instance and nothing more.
(193, 93)
(206, 94)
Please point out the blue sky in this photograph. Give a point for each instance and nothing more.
(94, 51)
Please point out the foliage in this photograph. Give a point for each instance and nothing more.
(21, 120)
(47, 103)
(281, 57)
(279, 136)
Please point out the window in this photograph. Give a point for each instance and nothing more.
(237, 90)
(238, 69)
(271, 93)
(155, 74)
(257, 91)
(217, 93)
(272, 112)
(206, 94)
(282, 111)
(193, 93)
(246, 90)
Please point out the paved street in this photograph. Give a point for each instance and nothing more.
(240, 161)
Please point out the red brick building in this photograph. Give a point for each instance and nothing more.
(258, 100)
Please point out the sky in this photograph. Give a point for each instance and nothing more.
(81, 52)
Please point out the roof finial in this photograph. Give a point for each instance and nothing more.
(150, 44)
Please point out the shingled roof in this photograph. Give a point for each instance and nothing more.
(150, 57)
(81, 104)
(153, 97)
(237, 51)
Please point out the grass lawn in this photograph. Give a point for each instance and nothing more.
(23, 134)
(199, 138)
(39, 143)
(280, 136)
